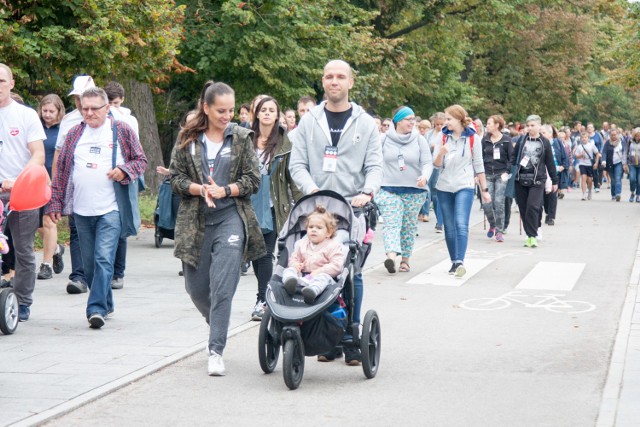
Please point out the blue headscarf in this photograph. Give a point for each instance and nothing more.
(402, 113)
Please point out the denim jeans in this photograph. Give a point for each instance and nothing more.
(456, 209)
(98, 236)
(615, 175)
(495, 209)
(432, 196)
(120, 262)
(77, 270)
(634, 175)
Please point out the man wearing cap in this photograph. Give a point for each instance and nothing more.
(77, 281)
(86, 161)
(21, 136)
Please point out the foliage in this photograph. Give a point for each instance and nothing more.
(48, 42)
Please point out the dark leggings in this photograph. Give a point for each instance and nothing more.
(263, 267)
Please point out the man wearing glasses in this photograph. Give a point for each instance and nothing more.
(86, 159)
(21, 136)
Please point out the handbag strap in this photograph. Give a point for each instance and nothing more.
(114, 130)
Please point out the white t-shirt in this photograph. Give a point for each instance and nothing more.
(93, 192)
(124, 114)
(68, 121)
(19, 126)
(212, 151)
(591, 150)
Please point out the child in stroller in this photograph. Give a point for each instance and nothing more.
(317, 257)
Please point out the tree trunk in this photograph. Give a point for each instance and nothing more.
(139, 99)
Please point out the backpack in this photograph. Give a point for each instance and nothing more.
(471, 138)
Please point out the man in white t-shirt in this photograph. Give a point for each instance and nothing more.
(21, 144)
(115, 93)
(86, 159)
(77, 281)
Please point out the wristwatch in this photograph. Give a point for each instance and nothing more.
(485, 190)
(227, 191)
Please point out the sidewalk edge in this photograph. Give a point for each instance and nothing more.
(615, 374)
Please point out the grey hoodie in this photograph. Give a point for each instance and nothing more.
(416, 154)
(359, 164)
(460, 165)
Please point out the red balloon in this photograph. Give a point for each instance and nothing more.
(31, 189)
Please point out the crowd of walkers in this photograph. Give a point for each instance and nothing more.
(239, 172)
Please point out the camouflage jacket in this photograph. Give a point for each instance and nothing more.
(186, 168)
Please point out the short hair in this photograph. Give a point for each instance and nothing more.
(534, 118)
(95, 92)
(439, 116)
(289, 109)
(306, 100)
(7, 69)
(54, 99)
(245, 106)
(114, 90)
(497, 119)
(459, 113)
(424, 124)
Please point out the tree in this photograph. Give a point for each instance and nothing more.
(48, 42)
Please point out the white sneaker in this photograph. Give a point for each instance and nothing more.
(589, 195)
(215, 367)
(258, 311)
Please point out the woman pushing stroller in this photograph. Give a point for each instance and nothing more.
(317, 258)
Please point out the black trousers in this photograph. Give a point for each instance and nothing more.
(530, 200)
(551, 204)
(508, 201)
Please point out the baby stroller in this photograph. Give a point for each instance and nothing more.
(164, 217)
(8, 299)
(308, 330)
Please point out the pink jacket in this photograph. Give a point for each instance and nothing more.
(326, 257)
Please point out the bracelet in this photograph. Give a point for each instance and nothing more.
(202, 191)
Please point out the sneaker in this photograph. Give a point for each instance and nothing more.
(499, 238)
(23, 313)
(310, 293)
(76, 287)
(534, 242)
(45, 272)
(96, 321)
(215, 366)
(453, 268)
(560, 195)
(390, 265)
(584, 197)
(352, 356)
(4, 283)
(330, 355)
(258, 311)
(638, 199)
(290, 284)
(589, 195)
(58, 262)
(439, 228)
(460, 271)
(117, 283)
(597, 190)
(550, 221)
(491, 232)
(527, 243)
(618, 198)
(631, 198)
(244, 268)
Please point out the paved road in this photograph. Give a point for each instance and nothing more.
(442, 363)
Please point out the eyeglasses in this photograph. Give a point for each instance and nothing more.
(386, 125)
(410, 119)
(90, 109)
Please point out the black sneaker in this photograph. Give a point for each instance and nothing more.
(439, 228)
(550, 221)
(45, 272)
(76, 287)
(330, 355)
(310, 293)
(244, 268)
(23, 313)
(96, 321)
(352, 356)
(454, 267)
(58, 262)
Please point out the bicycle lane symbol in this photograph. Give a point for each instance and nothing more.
(549, 302)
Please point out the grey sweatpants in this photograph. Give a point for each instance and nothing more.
(23, 226)
(213, 283)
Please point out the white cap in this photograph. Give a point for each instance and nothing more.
(80, 84)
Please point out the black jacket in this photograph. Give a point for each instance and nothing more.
(547, 154)
(499, 166)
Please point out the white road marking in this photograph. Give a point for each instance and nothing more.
(556, 276)
(550, 302)
(438, 274)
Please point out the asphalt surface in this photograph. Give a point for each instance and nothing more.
(527, 362)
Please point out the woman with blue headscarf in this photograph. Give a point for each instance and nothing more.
(407, 165)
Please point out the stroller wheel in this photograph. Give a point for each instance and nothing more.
(371, 344)
(293, 362)
(268, 343)
(159, 238)
(8, 311)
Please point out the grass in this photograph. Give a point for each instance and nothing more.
(147, 204)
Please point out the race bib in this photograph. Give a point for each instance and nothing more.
(496, 153)
(524, 161)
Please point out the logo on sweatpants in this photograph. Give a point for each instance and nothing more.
(233, 239)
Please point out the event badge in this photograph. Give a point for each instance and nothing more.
(524, 161)
(96, 157)
(330, 162)
(401, 164)
(496, 153)
(211, 162)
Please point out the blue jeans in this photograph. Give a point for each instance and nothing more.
(77, 270)
(456, 209)
(432, 196)
(98, 236)
(634, 175)
(615, 175)
(120, 262)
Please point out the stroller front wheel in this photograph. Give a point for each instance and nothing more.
(159, 238)
(268, 343)
(371, 344)
(293, 362)
(8, 311)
